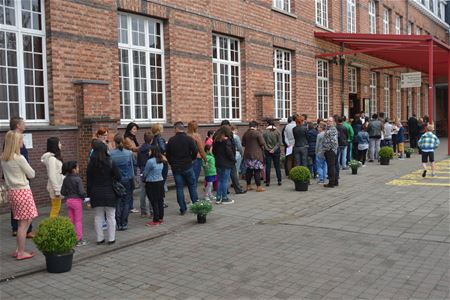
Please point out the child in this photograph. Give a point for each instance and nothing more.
(400, 140)
(154, 184)
(72, 189)
(210, 172)
(363, 144)
(428, 143)
(209, 140)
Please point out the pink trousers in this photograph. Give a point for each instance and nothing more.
(75, 211)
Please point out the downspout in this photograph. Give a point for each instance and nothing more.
(341, 61)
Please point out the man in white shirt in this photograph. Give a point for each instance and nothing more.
(290, 141)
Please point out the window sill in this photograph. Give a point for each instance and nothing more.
(40, 127)
(284, 12)
(324, 28)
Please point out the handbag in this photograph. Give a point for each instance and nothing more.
(119, 189)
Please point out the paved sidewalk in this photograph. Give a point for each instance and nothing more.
(366, 239)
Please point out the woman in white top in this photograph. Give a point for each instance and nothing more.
(53, 162)
(16, 171)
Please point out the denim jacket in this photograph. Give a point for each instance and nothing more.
(124, 160)
(153, 171)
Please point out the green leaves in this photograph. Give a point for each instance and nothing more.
(201, 207)
(386, 152)
(299, 173)
(55, 236)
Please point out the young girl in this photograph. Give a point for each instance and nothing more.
(400, 140)
(53, 162)
(154, 184)
(72, 189)
(363, 144)
(210, 173)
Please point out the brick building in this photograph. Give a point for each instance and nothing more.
(70, 66)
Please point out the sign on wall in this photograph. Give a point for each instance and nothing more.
(28, 140)
(411, 79)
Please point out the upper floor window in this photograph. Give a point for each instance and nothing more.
(372, 17)
(386, 14)
(322, 13)
(141, 68)
(282, 75)
(226, 74)
(351, 16)
(322, 89)
(410, 27)
(387, 98)
(418, 30)
(398, 24)
(431, 2)
(23, 65)
(282, 5)
(352, 80)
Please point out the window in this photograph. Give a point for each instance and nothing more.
(373, 93)
(351, 16)
(23, 69)
(322, 89)
(386, 13)
(409, 102)
(141, 68)
(398, 24)
(398, 98)
(425, 106)
(322, 13)
(387, 98)
(372, 17)
(432, 5)
(282, 75)
(418, 103)
(352, 80)
(410, 28)
(418, 30)
(282, 5)
(226, 73)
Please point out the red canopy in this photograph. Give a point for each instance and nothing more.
(409, 51)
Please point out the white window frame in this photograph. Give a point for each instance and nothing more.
(19, 31)
(352, 80)
(228, 64)
(322, 13)
(280, 104)
(147, 50)
(386, 13)
(418, 102)
(398, 24)
(372, 17)
(351, 16)
(398, 96)
(373, 93)
(387, 95)
(410, 27)
(284, 5)
(418, 30)
(322, 88)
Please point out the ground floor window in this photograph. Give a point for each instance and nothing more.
(322, 89)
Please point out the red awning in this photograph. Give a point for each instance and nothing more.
(409, 51)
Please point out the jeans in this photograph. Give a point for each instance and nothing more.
(123, 205)
(301, 156)
(238, 162)
(143, 200)
(15, 224)
(312, 165)
(374, 148)
(75, 212)
(349, 151)
(342, 158)
(235, 180)
(197, 167)
(100, 212)
(182, 178)
(223, 174)
(386, 142)
(331, 161)
(275, 157)
(321, 165)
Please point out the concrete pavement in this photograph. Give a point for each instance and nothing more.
(367, 239)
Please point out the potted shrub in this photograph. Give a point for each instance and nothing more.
(408, 152)
(385, 154)
(201, 209)
(354, 165)
(55, 238)
(300, 175)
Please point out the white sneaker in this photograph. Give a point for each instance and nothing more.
(81, 243)
(228, 201)
(207, 199)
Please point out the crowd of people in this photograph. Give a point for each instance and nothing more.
(117, 164)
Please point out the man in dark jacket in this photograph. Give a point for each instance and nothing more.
(301, 142)
(343, 143)
(413, 130)
(181, 151)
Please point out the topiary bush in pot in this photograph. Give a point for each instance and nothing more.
(300, 175)
(385, 154)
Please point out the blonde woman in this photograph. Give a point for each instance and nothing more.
(201, 156)
(53, 162)
(17, 171)
(159, 141)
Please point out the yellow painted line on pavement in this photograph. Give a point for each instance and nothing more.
(415, 178)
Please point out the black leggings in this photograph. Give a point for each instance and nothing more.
(253, 172)
(362, 156)
(155, 193)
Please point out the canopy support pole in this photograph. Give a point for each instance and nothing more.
(430, 79)
(448, 104)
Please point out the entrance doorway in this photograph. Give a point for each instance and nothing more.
(354, 104)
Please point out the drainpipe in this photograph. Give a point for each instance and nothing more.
(341, 61)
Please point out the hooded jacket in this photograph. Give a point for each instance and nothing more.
(54, 173)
